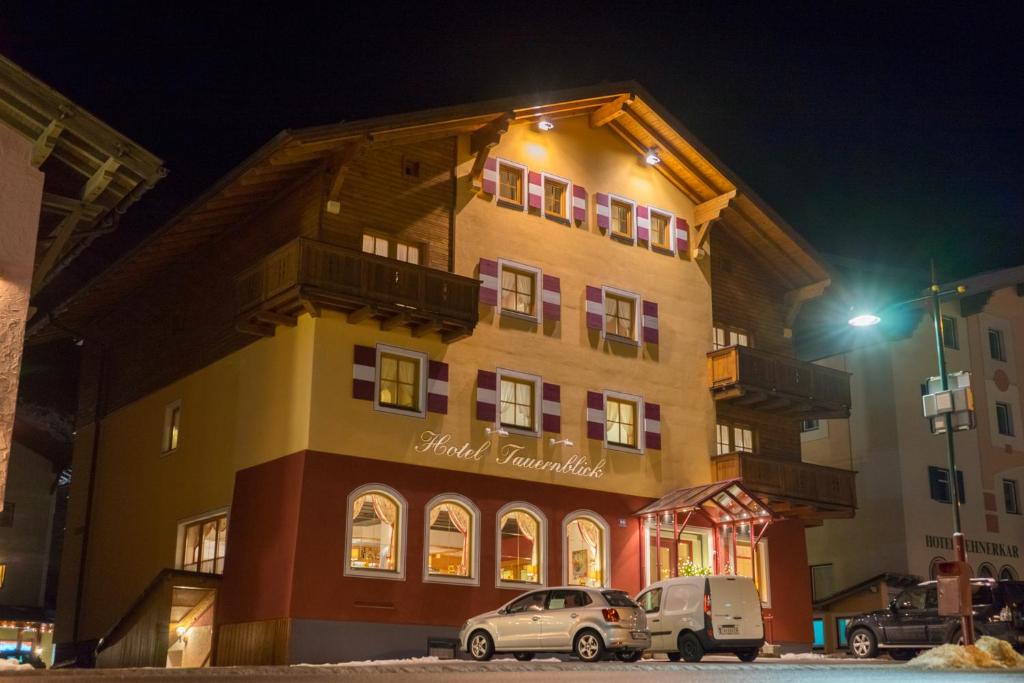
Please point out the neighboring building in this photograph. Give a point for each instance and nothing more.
(387, 373)
(905, 522)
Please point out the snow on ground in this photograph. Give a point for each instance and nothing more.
(14, 665)
(805, 656)
(987, 653)
(413, 660)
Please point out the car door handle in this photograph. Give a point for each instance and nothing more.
(655, 620)
(534, 618)
(573, 615)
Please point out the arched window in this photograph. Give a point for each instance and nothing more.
(986, 571)
(933, 567)
(1008, 573)
(375, 532)
(585, 550)
(452, 540)
(521, 540)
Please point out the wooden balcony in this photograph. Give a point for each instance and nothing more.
(306, 275)
(792, 488)
(776, 383)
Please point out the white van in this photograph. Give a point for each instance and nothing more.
(691, 615)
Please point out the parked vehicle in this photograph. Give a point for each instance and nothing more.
(589, 622)
(912, 622)
(693, 615)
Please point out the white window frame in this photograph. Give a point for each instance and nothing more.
(179, 545)
(474, 539)
(641, 422)
(671, 230)
(524, 190)
(538, 291)
(166, 433)
(816, 434)
(611, 229)
(421, 401)
(541, 542)
(566, 198)
(538, 393)
(606, 573)
(400, 541)
(707, 556)
(637, 314)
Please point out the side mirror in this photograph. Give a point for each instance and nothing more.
(503, 611)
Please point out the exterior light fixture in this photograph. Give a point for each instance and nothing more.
(545, 125)
(560, 442)
(864, 320)
(490, 431)
(652, 157)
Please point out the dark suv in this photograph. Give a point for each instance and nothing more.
(912, 621)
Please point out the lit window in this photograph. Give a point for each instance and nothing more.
(1004, 419)
(372, 244)
(622, 219)
(510, 183)
(746, 561)
(518, 291)
(452, 537)
(621, 421)
(376, 531)
(586, 551)
(518, 404)
(204, 545)
(661, 230)
(3, 574)
(521, 537)
(950, 337)
(723, 336)
(407, 253)
(1011, 497)
(399, 385)
(619, 315)
(555, 193)
(172, 422)
(734, 439)
(996, 345)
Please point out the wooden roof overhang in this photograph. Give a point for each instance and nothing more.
(293, 156)
(92, 172)
(721, 502)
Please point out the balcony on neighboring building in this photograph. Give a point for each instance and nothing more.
(792, 488)
(306, 275)
(775, 383)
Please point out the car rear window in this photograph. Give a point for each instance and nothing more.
(981, 595)
(618, 599)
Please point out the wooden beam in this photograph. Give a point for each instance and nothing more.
(426, 328)
(258, 329)
(276, 318)
(705, 212)
(312, 307)
(46, 141)
(61, 235)
(795, 298)
(338, 169)
(360, 314)
(394, 321)
(482, 141)
(100, 179)
(610, 111)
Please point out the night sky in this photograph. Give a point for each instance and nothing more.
(880, 134)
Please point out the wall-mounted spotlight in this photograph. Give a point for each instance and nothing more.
(652, 157)
(560, 442)
(495, 430)
(545, 125)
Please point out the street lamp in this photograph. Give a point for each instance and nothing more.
(867, 319)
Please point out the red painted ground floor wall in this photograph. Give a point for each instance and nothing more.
(287, 549)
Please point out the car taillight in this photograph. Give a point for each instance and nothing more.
(611, 615)
(707, 604)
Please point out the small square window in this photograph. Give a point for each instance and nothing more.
(809, 425)
(1004, 419)
(622, 219)
(555, 194)
(732, 438)
(723, 336)
(518, 291)
(622, 420)
(510, 184)
(996, 345)
(938, 481)
(518, 403)
(204, 545)
(372, 244)
(950, 336)
(399, 384)
(620, 315)
(1011, 497)
(172, 426)
(407, 252)
(661, 230)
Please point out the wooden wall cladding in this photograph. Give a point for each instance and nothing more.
(253, 643)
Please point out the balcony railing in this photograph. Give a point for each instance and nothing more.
(305, 275)
(776, 383)
(791, 487)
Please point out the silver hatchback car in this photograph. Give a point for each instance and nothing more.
(589, 622)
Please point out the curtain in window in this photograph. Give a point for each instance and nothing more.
(461, 520)
(591, 536)
(386, 511)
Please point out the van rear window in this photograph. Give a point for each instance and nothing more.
(618, 599)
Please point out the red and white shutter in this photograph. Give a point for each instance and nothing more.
(489, 180)
(551, 408)
(595, 415)
(682, 236)
(486, 396)
(652, 426)
(364, 372)
(552, 298)
(595, 308)
(579, 203)
(649, 322)
(643, 223)
(534, 190)
(488, 282)
(437, 387)
(604, 211)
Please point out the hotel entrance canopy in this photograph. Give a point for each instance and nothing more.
(721, 501)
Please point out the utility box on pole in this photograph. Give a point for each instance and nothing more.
(955, 406)
(954, 589)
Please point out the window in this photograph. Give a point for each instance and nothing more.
(622, 219)
(996, 345)
(522, 533)
(172, 422)
(1011, 497)
(734, 439)
(585, 537)
(1004, 419)
(407, 253)
(818, 627)
(376, 533)
(518, 401)
(950, 337)
(661, 230)
(519, 290)
(510, 184)
(986, 571)
(565, 599)
(938, 480)
(809, 425)
(741, 555)
(841, 624)
(204, 543)
(822, 581)
(452, 540)
(372, 244)
(555, 195)
(401, 386)
(622, 420)
(620, 314)
(7, 515)
(382, 246)
(724, 336)
(3, 574)
(531, 602)
(650, 601)
(1007, 573)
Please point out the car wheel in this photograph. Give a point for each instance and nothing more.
(690, 648)
(523, 656)
(629, 656)
(588, 646)
(481, 647)
(747, 655)
(863, 644)
(673, 656)
(902, 655)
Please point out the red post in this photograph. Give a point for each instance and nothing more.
(966, 618)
